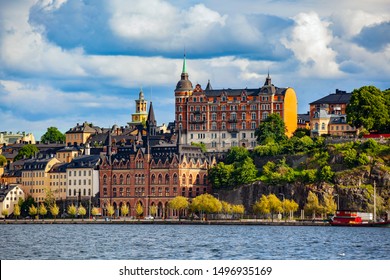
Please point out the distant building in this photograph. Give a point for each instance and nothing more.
(224, 118)
(328, 115)
(141, 113)
(9, 197)
(58, 181)
(150, 171)
(13, 138)
(79, 134)
(67, 154)
(304, 121)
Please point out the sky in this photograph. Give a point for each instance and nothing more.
(63, 62)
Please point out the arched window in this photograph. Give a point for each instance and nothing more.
(197, 179)
(175, 178)
(114, 192)
(205, 180)
(190, 179)
(183, 180)
(153, 191)
(121, 179)
(127, 192)
(183, 192)
(159, 179)
(120, 191)
(104, 179)
(316, 126)
(114, 180)
(160, 191)
(153, 179)
(166, 191)
(167, 179)
(128, 179)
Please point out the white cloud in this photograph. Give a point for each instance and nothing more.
(310, 41)
(348, 23)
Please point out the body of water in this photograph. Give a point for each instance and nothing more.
(186, 242)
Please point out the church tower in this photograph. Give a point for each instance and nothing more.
(183, 91)
(140, 116)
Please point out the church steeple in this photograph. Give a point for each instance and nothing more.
(151, 123)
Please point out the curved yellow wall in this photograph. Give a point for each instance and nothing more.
(290, 113)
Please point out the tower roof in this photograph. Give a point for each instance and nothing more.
(151, 118)
(184, 84)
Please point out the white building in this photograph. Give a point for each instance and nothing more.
(83, 178)
(9, 197)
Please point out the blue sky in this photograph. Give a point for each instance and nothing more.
(63, 62)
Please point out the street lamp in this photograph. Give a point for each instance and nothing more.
(338, 201)
(283, 202)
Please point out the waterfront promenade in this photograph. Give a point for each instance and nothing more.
(259, 222)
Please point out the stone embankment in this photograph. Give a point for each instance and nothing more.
(242, 222)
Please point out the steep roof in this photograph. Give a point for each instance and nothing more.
(339, 97)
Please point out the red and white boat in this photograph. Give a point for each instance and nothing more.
(356, 219)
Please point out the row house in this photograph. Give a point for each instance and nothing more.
(35, 177)
(225, 118)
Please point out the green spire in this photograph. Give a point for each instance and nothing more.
(184, 65)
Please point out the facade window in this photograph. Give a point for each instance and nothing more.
(243, 116)
(213, 116)
(323, 126)
(153, 191)
(223, 116)
(160, 191)
(114, 192)
(223, 108)
(166, 179)
(104, 180)
(175, 178)
(114, 180)
(183, 180)
(153, 179)
(243, 125)
(253, 125)
(167, 191)
(190, 180)
(197, 179)
(214, 126)
(265, 115)
(253, 116)
(223, 126)
(128, 179)
(183, 192)
(174, 191)
(159, 179)
(127, 192)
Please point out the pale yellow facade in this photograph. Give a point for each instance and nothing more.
(11, 198)
(36, 181)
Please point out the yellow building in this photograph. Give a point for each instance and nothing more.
(67, 154)
(80, 133)
(35, 177)
(58, 181)
(141, 114)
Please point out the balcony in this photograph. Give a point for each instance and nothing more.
(197, 121)
(232, 120)
(232, 130)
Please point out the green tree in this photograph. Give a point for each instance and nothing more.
(54, 210)
(52, 135)
(4, 213)
(220, 176)
(110, 210)
(273, 128)
(42, 210)
(206, 203)
(329, 205)
(301, 132)
(245, 172)
(3, 161)
(325, 174)
(226, 208)
(275, 205)
(124, 210)
(201, 145)
(95, 212)
(238, 209)
(139, 210)
(72, 211)
(290, 206)
(33, 211)
(153, 210)
(27, 151)
(312, 205)
(237, 154)
(179, 203)
(262, 206)
(17, 211)
(82, 211)
(367, 109)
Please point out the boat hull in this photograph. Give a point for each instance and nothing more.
(376, 224)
